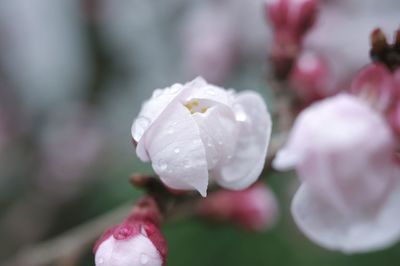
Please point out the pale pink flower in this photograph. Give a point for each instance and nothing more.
(192, 131)
(343, 153)
(254, 208)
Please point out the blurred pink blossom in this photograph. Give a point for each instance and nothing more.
(343, 152)
(210, 41)
(254, 208)
(311, 78)
(71, 145)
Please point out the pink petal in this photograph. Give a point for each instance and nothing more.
(219, 133)
(153, 108)
(175, 148)
(248, 160)
(138, 250)
(332, 229)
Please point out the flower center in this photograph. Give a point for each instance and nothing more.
(195, 106)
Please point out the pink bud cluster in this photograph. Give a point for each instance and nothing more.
(136, 241)
(291, 20)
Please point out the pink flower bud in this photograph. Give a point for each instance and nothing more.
(291, 19)
(253, 209)
(136, 241)
(311, 78)
(294, 16)
(375, 84)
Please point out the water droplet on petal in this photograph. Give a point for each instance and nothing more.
(241, 116)
(220, 143)
(144, 259)
(177, 150)
(186, 164)
(100, 260)
(170, 130)
(140, 126)
(162, 165)
(157, 93)
(175, 88)
(209, 145)
(211, 92)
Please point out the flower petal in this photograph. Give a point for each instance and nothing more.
(247, 162)
(153, 108)
(338, 127)
(177, 153)
(200, 89)
(330, 228)
(219, 133)
(132, 252)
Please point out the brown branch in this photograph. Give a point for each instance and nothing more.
(69, 243)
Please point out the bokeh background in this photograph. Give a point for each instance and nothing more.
(73, 75)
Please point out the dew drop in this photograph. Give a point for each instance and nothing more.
(157, 93)
(174, 88)
(241, 116)
(140, 126)
(100, 261)
(186, 164)
(177, 150)
(144, 259)
(170, 130)
(211, 92)
(162, 165)
(220, 143)
(209, 145)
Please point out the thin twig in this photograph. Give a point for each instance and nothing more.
(68, 243)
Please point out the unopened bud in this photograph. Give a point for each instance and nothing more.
(137, 241)
(311, 78)
(253, 209)
(375, 84)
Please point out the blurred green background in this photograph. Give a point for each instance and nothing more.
(73, 75)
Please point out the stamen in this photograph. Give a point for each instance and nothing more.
(195, 106)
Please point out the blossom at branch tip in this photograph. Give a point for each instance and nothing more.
(137, 241)
(343, 153)
(197, 132)
(254, 208)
